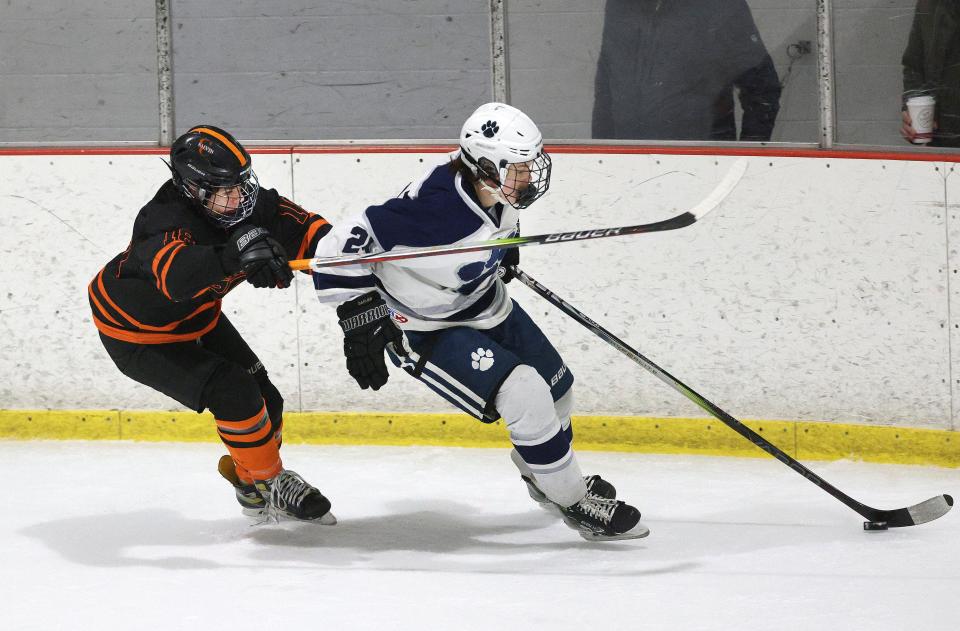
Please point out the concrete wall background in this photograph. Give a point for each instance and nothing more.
(822, 289)
(293, 70)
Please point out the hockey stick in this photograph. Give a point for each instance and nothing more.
(878, 519)
(682, 220)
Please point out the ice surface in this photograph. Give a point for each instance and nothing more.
(135, 536)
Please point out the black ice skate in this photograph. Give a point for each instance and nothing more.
(285, 495)
(595, 484)
(598, 518)
(248, 496)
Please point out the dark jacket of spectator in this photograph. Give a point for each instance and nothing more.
(668, 69)
(931, 64)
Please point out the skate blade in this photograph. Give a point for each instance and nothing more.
(262, 516)
(543, 503)
(535, 494)
(637, 532)
(326, 520)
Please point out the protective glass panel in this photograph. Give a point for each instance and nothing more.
(331, 70)
(698, 70)
(891, 53)
(78, 71)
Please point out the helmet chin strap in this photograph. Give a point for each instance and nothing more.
(496, 193)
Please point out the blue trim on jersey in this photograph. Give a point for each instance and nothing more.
(494, 213)
(456, 388)
(515, 341)
(476, 308)
(332, 281)
(436, 216)
(468, 313)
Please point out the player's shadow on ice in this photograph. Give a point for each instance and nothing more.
(434, 534)
(439, 526)
(107, 539)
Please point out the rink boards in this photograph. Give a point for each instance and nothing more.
(824, 289)
(802, 440)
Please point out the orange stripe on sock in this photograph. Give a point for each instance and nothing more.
(257, 463)
(260, 434)
(244, 422)
(253, 463)
(263, 467)
(243, 434)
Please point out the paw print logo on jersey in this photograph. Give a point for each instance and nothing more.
(481, 359)
(490, 129)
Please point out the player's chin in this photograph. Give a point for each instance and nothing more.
(512, 198)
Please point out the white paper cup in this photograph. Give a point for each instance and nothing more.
(921, 109)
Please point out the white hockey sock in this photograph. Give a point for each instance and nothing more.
(525, 403)
(563, 406)
(564, 486)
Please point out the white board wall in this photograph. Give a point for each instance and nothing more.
(823, 288)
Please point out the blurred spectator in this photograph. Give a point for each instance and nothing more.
(668, 69)
(931, 66)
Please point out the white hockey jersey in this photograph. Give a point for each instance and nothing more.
(428, 293)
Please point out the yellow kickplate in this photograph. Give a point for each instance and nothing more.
(678, 436)
(60, 424)
(803, 440)
(348, 428)
(186, 427)
(899, 445)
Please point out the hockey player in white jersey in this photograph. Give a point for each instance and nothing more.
(462, 334)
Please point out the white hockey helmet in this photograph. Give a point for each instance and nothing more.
(499, 142)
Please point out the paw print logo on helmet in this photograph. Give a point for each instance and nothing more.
(503, 149)
(490, 129)
(481, 359)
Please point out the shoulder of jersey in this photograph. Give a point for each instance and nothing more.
(438, 182)
(268, 202)
(168, 211)
(437, 215)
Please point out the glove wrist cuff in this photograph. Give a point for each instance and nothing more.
(229, 262)
(361, 319)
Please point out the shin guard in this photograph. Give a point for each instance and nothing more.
(244, 424)
(253, 444)
(526, 405)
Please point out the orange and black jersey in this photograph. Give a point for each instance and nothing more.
(168, 284)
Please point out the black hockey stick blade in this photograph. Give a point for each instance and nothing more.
(921, 513)
(933, 508)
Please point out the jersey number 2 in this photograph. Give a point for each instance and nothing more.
(359, 242)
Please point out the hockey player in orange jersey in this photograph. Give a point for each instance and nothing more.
(157, 306)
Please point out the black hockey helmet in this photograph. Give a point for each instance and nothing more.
(210, 166)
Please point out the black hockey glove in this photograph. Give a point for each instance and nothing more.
(511, 258)
(253, 250)
(367, 329)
